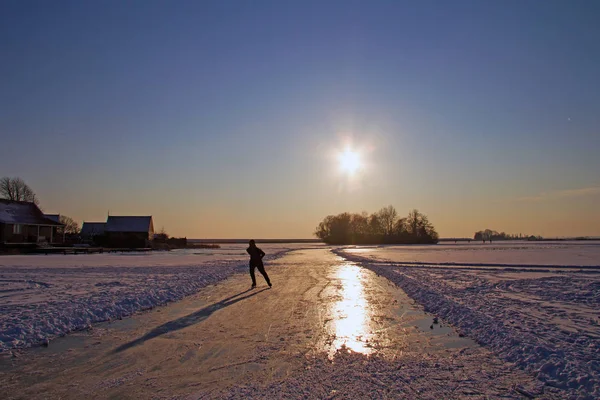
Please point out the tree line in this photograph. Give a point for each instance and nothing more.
(491, 235)
(16, 189)
(382, 227)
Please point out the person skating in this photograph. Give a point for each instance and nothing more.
(256, 256)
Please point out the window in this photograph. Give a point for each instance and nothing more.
(17, 229)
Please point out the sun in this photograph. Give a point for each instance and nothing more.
(349, 161)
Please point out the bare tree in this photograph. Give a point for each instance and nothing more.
(388, 216)
(71, 227)
(375, 225)
(400, 227)
(16, 189)
(419, 226)
(161, 236)
(413, 222)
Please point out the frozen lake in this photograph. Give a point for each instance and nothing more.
(534, 304)
(327, 329)
(43, 296)
(175, 258)
(567, 253)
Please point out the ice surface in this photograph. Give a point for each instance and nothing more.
(545, 321)
(47, 296)
(535, 305)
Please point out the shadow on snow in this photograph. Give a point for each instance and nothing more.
(188, 320)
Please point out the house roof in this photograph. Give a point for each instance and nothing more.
(53, 217)
(93, 228)
(129, 224)
(23, 213)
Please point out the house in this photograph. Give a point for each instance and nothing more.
(89, 230)
(58, 232)
(130, 232)
(22, 222)
(53, 217)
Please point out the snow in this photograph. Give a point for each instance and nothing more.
(570, 254)
(463, 374)
(48, 296)
(533, 307)
(544, 318)
(231, 342)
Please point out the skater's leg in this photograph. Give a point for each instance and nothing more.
(261, 269)
(252, 275)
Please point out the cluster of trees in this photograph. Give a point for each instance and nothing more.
(162, 240)
(491, 235)
(383, 226)
(17, 190)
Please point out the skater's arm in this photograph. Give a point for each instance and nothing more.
(262, 253)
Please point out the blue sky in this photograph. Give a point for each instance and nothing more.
(221, 118)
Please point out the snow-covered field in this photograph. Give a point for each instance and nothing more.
(543, 254)
(535, 305)
(47, 296)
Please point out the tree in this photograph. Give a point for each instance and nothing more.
(16, 189)
(419, 228)
(400, 229)
(388, 216)
(162, 236)
(323, 231)
(375, 225)
(71, 227)
(359, 226)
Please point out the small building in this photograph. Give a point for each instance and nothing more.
(130, 232)
(89, 230)
(22, 222)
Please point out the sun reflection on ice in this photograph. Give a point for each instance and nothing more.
(351, 315)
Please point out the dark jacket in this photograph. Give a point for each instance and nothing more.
(256, 255)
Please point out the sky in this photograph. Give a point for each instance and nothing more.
(224, 119)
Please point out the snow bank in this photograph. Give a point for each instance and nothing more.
(546, 324)
(41, 300)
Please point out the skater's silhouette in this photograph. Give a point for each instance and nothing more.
(256, 256)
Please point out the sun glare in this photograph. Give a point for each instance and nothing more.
(349, 161)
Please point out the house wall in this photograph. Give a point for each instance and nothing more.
(45, 232)
(10, 237)
(127, 239)
(29, 234)
(151, 230)
(57, 235)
